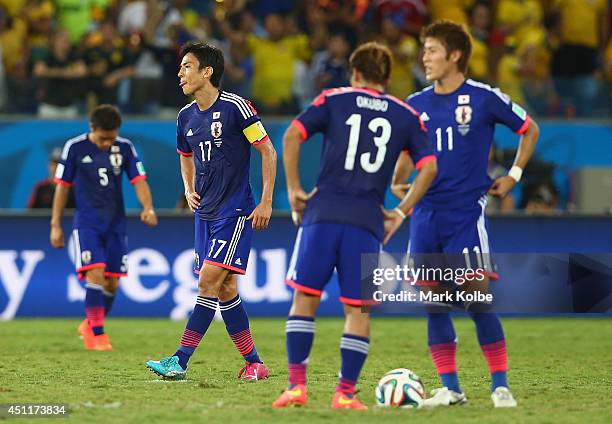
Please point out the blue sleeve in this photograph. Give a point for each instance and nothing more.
(418, 145)
(132, 165)
(182, 147)
(66, 168)
(315, 118)
(506, 112)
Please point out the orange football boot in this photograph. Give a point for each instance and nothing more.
(295, 395)
(100, 342)
(346, 401)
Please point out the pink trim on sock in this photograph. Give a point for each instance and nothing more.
(191, 338)
(496, 356)
(444, 357)
(95, 316)
(243, 341)
(346, 386)
(297, 373)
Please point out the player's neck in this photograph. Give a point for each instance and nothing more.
(370, 86)
(206, 96)
(449, 83)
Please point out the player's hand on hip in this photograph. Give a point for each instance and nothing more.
(393, 221)
(261, 216)
(57, 237)
(193, 200)
(400, 190)
(502, 186)
(149, 217)
(298, 200)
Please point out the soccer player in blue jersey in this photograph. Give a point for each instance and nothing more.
(215, 133)
(460, 115)
(94, 163)
(364, 132)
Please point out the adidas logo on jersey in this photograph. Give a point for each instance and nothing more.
(87, 159)
(238, 261)
(189, 133)
(424, 117)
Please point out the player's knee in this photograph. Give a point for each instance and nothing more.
(112, 283)
(357, 321)
(227, 291)
(304, 304)
(96, 276)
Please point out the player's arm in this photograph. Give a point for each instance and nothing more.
(291, 162)
(262, 213)
(188, 175)
(502, 185)
(143, 193)
(394, 218)
(59, 204)
(403, 169)
(256, 134)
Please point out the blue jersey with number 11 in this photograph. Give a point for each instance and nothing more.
(460, 128)
(364, 133)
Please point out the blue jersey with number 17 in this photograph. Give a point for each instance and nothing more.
(364, 133)
(460, 128)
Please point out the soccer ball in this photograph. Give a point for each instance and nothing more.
(400, 388)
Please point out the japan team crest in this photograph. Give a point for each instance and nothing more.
(463, 116)
(86, 256)
(215, 129)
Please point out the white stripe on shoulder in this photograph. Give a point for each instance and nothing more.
(71, 142)
(235, 103)
(238, 101)
(504, 97)
(418, 93)
(400, 103)
(129, 143)
(185, 107)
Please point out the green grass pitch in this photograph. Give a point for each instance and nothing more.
(560, 371)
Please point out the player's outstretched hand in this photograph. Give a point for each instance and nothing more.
(400, 190)
(261, 216)
(502, 186)
(193, 200)
(393, 221)
(57, 237)
(149, 217)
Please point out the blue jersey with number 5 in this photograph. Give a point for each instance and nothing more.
(460, 128)
(364, 132)
(97, 178)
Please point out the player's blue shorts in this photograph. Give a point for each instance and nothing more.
(224, 242)
(461, 235)
(95, 249)
(322, 247)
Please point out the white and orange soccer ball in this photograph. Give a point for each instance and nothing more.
(400, 388)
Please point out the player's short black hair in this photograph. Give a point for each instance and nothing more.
(105, 117)
(207, 55)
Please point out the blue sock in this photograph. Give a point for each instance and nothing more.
(443, 347)
(493, 345)
(199, 321)
(109, 298)
(300, 335)
(94, 307)
(237, 326)
(353, 351)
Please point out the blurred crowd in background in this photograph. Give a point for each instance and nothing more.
(62, 57)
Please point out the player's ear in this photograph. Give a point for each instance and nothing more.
(207, 72)
(455, 56)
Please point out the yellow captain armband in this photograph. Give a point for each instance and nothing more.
(256, 133)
